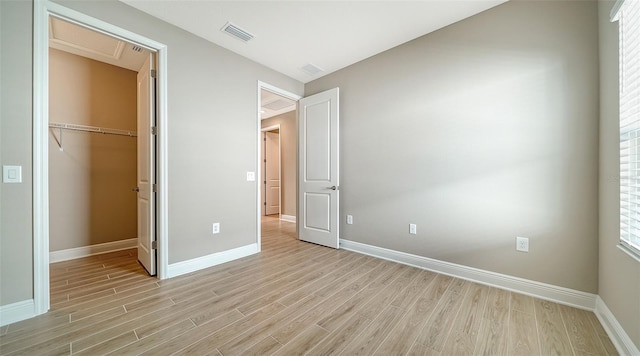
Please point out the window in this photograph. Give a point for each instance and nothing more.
(627, 12)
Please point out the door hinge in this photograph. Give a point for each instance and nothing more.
(154, 245)
(265, 182)
(265, 203)
(265, 161)
(154, 130)
(154, 187)
(153, 73)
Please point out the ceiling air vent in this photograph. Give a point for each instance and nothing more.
(236, 32)
(311, 69)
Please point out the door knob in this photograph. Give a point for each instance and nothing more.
(333, 188)
(136, 189)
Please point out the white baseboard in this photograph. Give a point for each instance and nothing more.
(12, 313)
(289, 218)
(184, 267)
(85, 251)
(618, 336)
(540, 290)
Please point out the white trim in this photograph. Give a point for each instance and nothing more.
(540, 290)
(12, 313)
(289, 218)
(86, 251)
(286, 94)
(40, 157)
(42, 10)
(270, 128)
(615, 11)
(629, 251)
(214, 259)
(618, 336)
(162, 167)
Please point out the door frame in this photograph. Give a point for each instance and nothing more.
(42, 10)
(262, 85)
(264, 132)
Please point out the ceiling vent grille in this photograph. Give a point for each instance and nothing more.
(311, 69)
(236, 32)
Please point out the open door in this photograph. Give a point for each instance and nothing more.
(272, 172)
(146, 167)
(318, 176)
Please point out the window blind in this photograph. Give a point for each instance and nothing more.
(628, 16)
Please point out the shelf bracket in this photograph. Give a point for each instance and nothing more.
(58, 139)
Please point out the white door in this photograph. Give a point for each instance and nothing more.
(146, 161)
(318, 168)
(272, 172)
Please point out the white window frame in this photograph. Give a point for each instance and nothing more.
(627, 13)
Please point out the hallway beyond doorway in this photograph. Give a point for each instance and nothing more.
(274, 229)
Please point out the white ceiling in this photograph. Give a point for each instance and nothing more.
(328, 34)
(87, 43)
(273, 104)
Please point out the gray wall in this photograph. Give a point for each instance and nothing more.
(288, 156)
(619, 274)
(16, 283)
(212, 133)
(478, 133)
(212, 138)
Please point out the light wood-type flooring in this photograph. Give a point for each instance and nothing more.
(293, 298)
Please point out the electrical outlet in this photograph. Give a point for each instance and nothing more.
(216, 228)
(522, 244)
(349, 219)
(413, 229)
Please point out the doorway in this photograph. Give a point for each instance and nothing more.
(271, 171)
(277, 144)
(316, 163)
(94, 109)
(43, 11)
(102, 101)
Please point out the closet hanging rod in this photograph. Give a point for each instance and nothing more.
(95, 129)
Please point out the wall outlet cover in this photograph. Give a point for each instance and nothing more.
(216, 228)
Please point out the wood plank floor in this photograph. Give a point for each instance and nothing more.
(293, 298)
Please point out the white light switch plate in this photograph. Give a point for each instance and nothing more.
(251, 176)
(12, 174)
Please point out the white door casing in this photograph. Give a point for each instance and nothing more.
(318, 164)
(272, 172)
(42, 9)
(260, 152)
(146, 160)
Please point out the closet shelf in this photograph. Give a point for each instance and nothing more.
(95, 129)
(102, 130)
